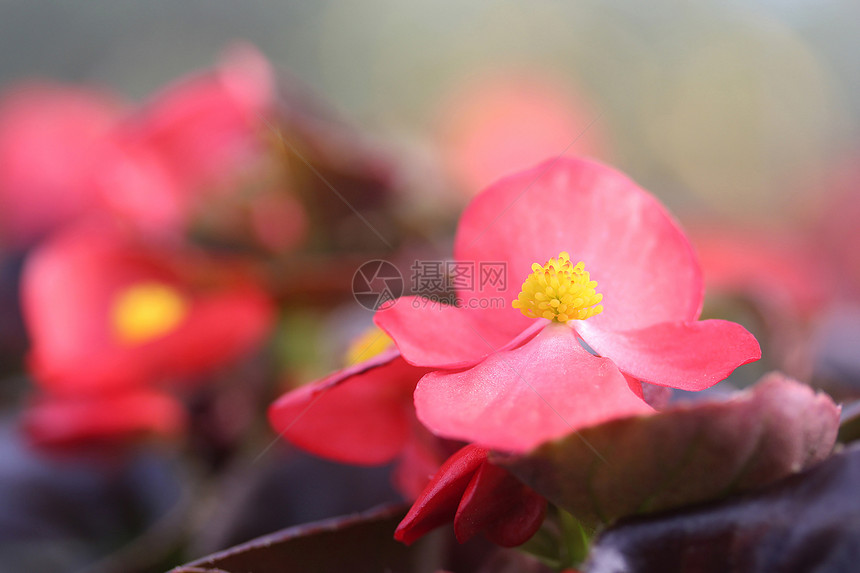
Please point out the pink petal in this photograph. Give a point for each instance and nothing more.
(361, 415)
(440, 335)
(207, 125)
(686, 355)
(49, 138)
(438, 503)
(136, 184)
(500, 504)
(76, 420)
(640, 258)
(517, 399)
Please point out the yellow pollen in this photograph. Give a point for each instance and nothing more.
(559, 291)
(146, 311)
(372, 342)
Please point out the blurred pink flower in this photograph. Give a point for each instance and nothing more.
(197, 137)
(781, 273)
(50, 137)
(505, 122)
(835, 234)
(208, 127)
(101, 419)
(772, 268)
(68, 153)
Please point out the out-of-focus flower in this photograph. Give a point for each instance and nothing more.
(779, 273)
(209, 127)
(68, 153)
(134, 183)
(198, 138)
(363, 415)
(50, 140)
(278, 221)
(835, 234)
(773, 268)
(503, 123)
(106, 311)
(509, 382)
(800, 277)
(103, 418)
(479, 497)
(220, 153)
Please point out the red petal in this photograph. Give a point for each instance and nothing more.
(497, 502)
(418, 462)
(221, 328)
(522, 521)
(686, 355)
(439, 335)
(59, 421)
(517, 399)
(641, 260)
(438, 503)
(361, 415)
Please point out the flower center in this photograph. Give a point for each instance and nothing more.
(559, 291)
(147, 310)
(372, 342)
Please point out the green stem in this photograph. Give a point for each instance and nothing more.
(562, 541)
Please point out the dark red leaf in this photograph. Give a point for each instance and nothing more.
(686, 454)
(808, 522)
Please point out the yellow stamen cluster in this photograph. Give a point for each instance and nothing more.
(146, 311)
(559, 291)
(366, 345)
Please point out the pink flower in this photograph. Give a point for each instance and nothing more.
(201, 135)
(103, 418)
(209, 127)
(363, 415)
(137, 185)
(835, 234)
(106, 311)
(50, 136)
(501, 123)
(772, 271)
(67, 153)
(479, 497)
(771, 268)
(505, 381)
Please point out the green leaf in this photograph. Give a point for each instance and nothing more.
(849, 429)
